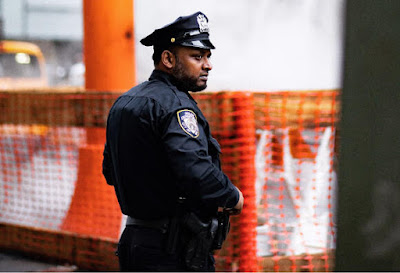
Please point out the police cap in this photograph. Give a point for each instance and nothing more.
(191, 30)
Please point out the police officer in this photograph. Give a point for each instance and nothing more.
(161, 158)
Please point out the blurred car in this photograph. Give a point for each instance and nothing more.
(76, 75)
(22, 66)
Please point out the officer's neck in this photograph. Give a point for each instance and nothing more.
(163, 68)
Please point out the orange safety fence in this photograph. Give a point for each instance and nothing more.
(278, 148)
(296, 179)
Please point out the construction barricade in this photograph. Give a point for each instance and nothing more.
(277, 147)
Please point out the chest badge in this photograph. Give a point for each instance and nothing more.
(188, 122)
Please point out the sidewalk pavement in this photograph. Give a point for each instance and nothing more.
(16, 262)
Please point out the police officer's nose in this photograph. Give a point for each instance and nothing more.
(207, 64)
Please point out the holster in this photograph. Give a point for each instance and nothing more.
(222, 231)
(198, 237)
(200, 241)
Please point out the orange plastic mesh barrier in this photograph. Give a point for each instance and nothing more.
(231, 117)
(296, 180)
(278, 148)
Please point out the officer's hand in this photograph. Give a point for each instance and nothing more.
(239, 206)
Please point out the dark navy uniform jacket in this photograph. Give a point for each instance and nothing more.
(154, 153)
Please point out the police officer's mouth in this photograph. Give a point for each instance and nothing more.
(204, 77)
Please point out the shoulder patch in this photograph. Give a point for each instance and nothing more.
(188, 121)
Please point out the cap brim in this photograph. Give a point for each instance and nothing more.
(148, 40)
(205, 44)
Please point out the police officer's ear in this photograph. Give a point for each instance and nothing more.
(168, 59)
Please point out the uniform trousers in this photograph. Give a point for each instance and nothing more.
(143, 249)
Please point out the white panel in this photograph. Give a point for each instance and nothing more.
(261, 44)
(55, 25)
(12, 12)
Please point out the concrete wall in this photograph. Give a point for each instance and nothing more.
(42, 19)
(261, 44)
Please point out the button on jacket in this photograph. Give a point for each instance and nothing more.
(159, 147)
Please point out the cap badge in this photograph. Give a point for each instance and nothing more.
(188, 122)
(203, 24)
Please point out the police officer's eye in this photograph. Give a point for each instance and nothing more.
(198, 57)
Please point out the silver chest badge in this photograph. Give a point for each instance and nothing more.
(188, 122)
(203, 24)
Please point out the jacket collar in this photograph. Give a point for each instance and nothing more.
(161, 76)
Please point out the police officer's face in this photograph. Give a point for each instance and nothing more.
(191, 68)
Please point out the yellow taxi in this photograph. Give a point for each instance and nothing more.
(22, 66)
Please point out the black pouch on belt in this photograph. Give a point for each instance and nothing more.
(200, 241)
(174, 230)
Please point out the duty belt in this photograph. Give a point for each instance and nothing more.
(161, 224)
